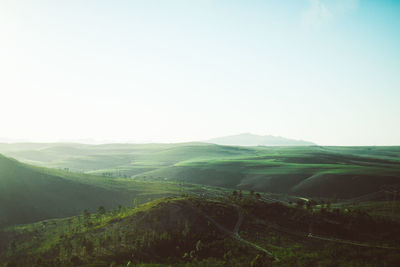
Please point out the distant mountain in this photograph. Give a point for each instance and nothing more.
(248, 139)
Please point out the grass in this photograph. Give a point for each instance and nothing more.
(173, 231)
(358, 175)
(30, 193)
(327, 172)
(310, 171)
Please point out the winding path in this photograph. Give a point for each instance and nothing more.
(350, 242)
(309, 235)
(235, 232)
(239, 221)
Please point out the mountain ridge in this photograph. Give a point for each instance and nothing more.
(249, 139)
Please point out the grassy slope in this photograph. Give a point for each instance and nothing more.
(312, 171)
(344, 172)
(122, 158)
(29, 193)
(182, 231)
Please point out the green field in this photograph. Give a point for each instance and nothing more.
(332, 172)
(29, 193)
(206, 205)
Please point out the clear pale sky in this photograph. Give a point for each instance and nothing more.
(169, 70)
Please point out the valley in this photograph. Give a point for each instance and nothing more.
(198, 204)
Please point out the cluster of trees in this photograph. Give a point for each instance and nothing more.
(311, 204)
(239, 195)
(116, 174)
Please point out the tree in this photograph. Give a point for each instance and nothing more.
(101, 210)
(86, 217)
(308, 205)
(299, 203)
(86, 214)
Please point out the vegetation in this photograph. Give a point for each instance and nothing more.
(29, 194)
(199, 205)
(239, 230)
(341, 172)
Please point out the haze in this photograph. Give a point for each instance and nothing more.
(168, 71)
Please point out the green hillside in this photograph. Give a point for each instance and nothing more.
(315, 171)
(29, 193)
(125, 159)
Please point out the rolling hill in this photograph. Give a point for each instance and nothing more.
(316, 171)
(121, 159)
(312, 171)
(29, 193)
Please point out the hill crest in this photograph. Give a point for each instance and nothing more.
(248, 139)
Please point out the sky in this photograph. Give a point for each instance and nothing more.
(326, 71)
